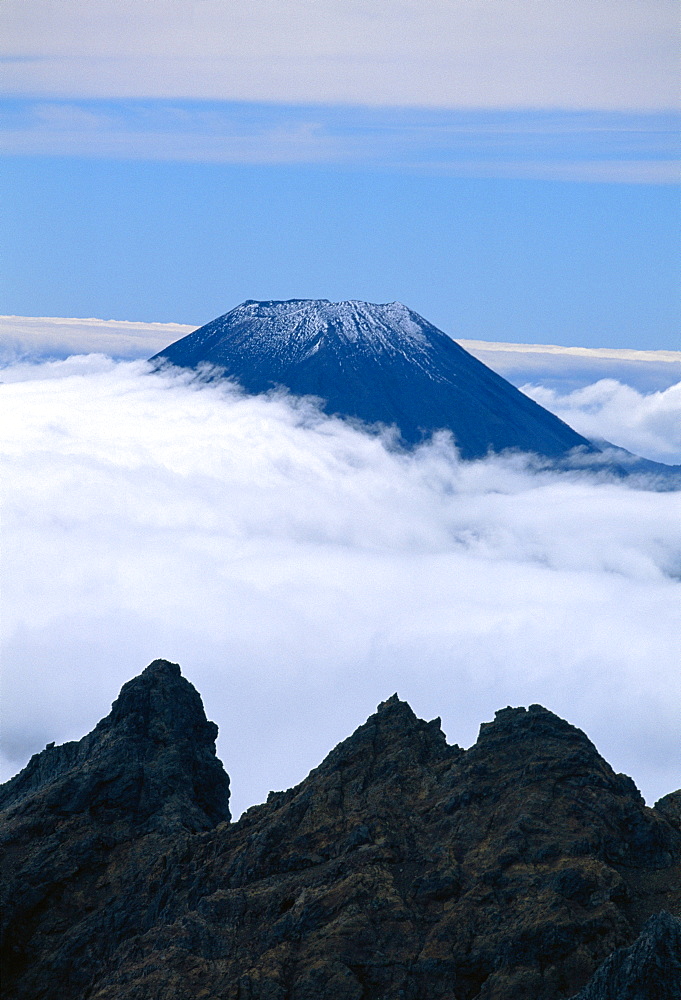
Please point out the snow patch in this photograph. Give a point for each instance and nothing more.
(295, 326)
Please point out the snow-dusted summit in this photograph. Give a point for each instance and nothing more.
(379, 363)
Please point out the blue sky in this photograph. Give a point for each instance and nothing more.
(509, 177)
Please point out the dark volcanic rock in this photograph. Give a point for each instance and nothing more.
(650, 969)
(380, 364)
(401, 867)
(670, 807)
(78, 821)
(150, 763)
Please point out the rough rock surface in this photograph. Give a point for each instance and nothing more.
(650, 969)
(150, 763)
(402, 867)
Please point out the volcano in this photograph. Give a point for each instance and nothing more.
(380, 364)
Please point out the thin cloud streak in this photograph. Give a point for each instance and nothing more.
(591, 146)
(36, 337)
(301, 572)
(566, 369)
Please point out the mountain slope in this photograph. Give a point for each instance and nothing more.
(377, 363)
(522, 868)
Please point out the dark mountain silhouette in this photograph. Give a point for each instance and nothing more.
(523, 868)
(380, 364)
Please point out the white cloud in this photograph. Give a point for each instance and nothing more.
(196, 135)
(300, 572)
(23, 337)
(648, 425)
(590, 353)
(565, 369)
(445, 53)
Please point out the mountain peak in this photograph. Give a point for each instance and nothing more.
(162, 705)
(380, 363)
(393, 738)
(301, 326)
(150, 763)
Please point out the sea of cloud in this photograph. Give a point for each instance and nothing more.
(301, 570)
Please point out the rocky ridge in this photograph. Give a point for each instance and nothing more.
(401, 867)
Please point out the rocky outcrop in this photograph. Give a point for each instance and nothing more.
(648, 970)
(670, 807)
(401, 867)
(82, 819)
(150, 763)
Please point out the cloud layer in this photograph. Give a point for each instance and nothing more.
(301, 572)
(443, 53)
(34, 337)
(564, 369)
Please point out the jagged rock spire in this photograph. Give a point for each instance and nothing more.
(401, 866)
(150, 763)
